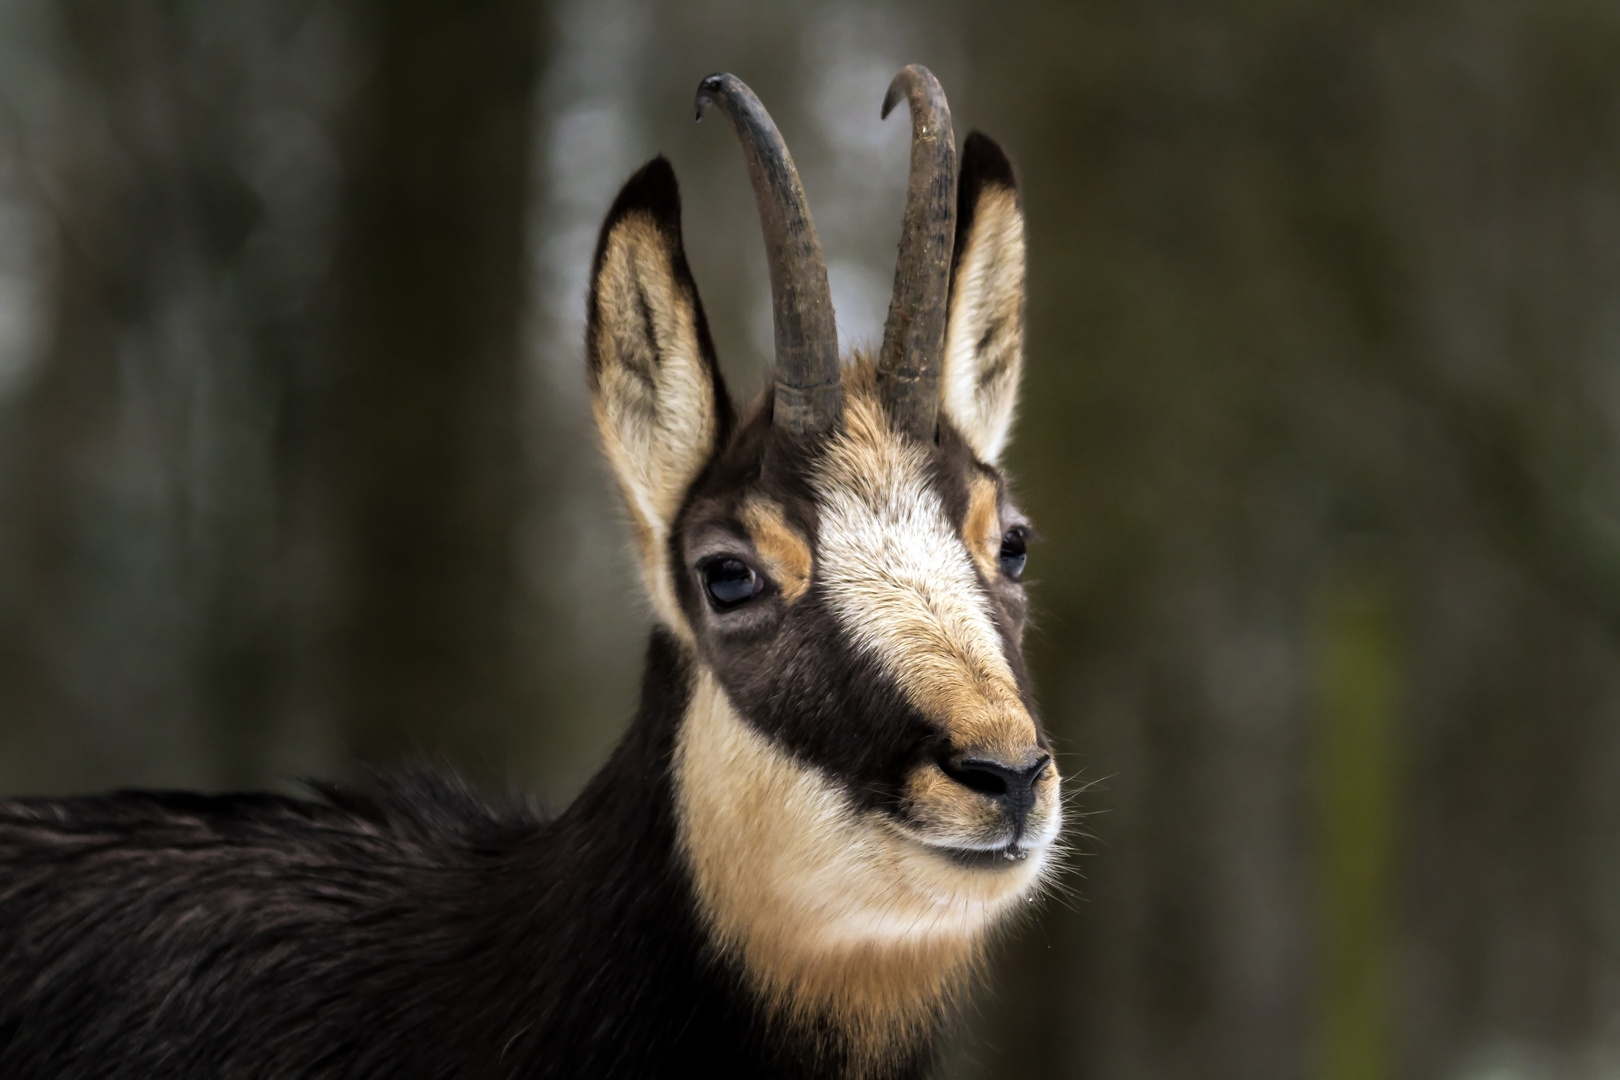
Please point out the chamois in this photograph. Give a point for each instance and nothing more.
(833, 791)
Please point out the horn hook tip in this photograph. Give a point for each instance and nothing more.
(914, 333)
(806, 373)
(892, 98)
(705, 93)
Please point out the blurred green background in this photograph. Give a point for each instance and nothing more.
(1321, 429)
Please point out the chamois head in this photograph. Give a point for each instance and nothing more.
(861, 785)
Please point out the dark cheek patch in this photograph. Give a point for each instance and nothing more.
(808, 689)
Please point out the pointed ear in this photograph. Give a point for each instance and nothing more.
(656, 389)
(984, 337)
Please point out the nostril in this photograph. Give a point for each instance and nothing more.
(1015, 784)
(985, 777)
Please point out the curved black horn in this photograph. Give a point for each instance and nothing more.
(807, 379)
(914, 335)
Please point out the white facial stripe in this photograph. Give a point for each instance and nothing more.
(902, 584)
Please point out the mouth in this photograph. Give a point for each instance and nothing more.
(988, 856)
(987, 847)
(991, 859)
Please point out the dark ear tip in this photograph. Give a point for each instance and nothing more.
(985, 163)
(982, 165)
(652, 190)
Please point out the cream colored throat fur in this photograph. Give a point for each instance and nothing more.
(830, 910)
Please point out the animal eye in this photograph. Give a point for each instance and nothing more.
(1013, 553)
(730, 582)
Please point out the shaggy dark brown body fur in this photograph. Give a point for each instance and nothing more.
(416, 932)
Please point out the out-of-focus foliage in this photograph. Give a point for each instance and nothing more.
(1321, 432)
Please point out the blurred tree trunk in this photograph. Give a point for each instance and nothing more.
(437, 185)
(1307, 283)
(1356, 814)
(142, 643)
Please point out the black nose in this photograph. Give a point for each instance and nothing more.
(1013, 786)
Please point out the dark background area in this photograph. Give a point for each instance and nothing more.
(1321, 430)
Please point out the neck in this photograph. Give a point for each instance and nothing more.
(834, 921)
(787, 926)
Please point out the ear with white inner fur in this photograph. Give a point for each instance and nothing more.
(656, 389)
(984, 337)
